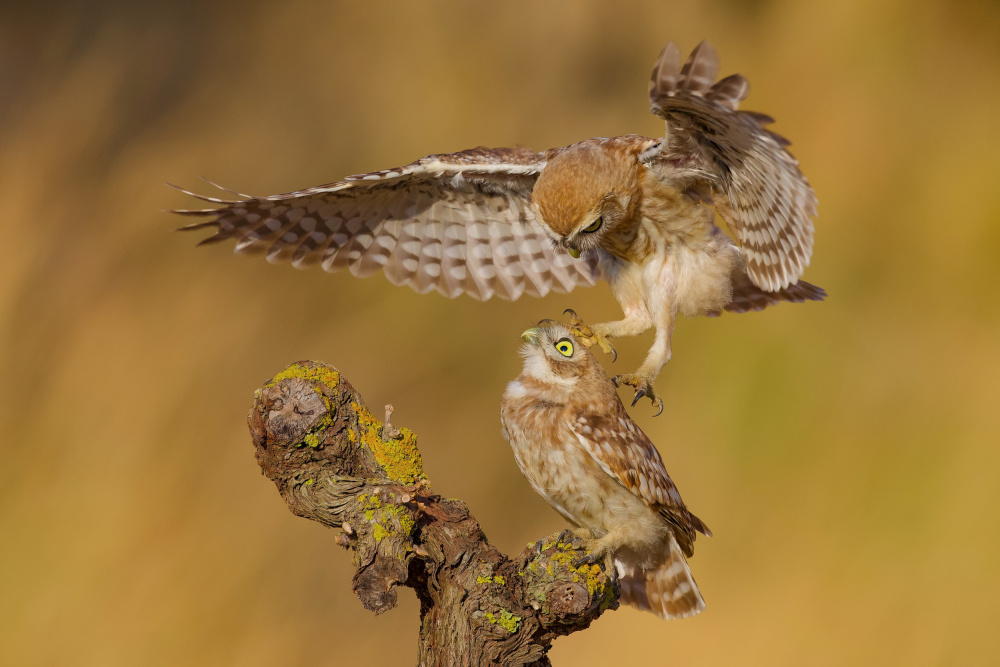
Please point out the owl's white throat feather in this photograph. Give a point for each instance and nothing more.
(537, 366)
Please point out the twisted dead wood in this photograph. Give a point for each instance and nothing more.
(334, 463)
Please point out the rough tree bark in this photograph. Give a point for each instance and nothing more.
(334, 463)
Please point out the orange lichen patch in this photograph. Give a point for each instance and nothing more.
(322, 373)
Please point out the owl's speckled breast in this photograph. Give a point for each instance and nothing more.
(560, 470)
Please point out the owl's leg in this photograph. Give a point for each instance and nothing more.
(637, 315)
(656, 359)
(636, 321)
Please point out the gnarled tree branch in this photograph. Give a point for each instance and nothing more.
(333, 462)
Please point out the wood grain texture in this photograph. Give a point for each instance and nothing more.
(334, 463)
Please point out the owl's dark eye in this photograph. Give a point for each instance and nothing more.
(565, 347)
(594, 226)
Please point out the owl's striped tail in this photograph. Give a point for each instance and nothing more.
(748, 297)
(669, 591)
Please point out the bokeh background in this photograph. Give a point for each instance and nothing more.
(845, 453)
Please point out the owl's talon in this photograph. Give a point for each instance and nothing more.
(565, 537)
(639, 394)
(612, 573)
(588, 559)
(643, 388)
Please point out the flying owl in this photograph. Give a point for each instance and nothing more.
(635, 211)
(580, 450)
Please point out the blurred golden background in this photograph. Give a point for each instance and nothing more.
(845, 454)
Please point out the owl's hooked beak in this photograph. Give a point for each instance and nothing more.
(570, 248)
(530, 336)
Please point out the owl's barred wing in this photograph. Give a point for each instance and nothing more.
(457, 223)
(757, 186)
(623, 451)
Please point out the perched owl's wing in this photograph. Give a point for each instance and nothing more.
(623, 451)
(756, 184)
(452, 223)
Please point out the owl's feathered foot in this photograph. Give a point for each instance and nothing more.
(643, 387)
(588, 336)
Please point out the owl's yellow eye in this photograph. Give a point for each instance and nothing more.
(594, 226)
(565, 347)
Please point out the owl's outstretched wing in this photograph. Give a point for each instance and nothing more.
(457, 223)
(756, 183)
(623, 451)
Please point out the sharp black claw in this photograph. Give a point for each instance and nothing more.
(584, 560)
(614, 355)
(612, 574)
(617, 380)
(570, 312)
(639, 394)
(659, 403)
(565, 537)
(538, 547)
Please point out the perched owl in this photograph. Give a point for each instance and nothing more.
(580, 450)
(635, 211)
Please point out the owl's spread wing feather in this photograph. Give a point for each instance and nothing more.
(756, 184)
(457, 223)
(623, 451)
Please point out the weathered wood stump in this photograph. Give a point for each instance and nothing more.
(334, 463)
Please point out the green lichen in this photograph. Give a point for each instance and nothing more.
(386, 519)
(372, 502)
(308, 482)
(311, 439)
(564, 557)
(496, 579)
(590, 574)
(402, 518)
(399, 457)
(505, 620)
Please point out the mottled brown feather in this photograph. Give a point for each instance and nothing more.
(757, 185)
